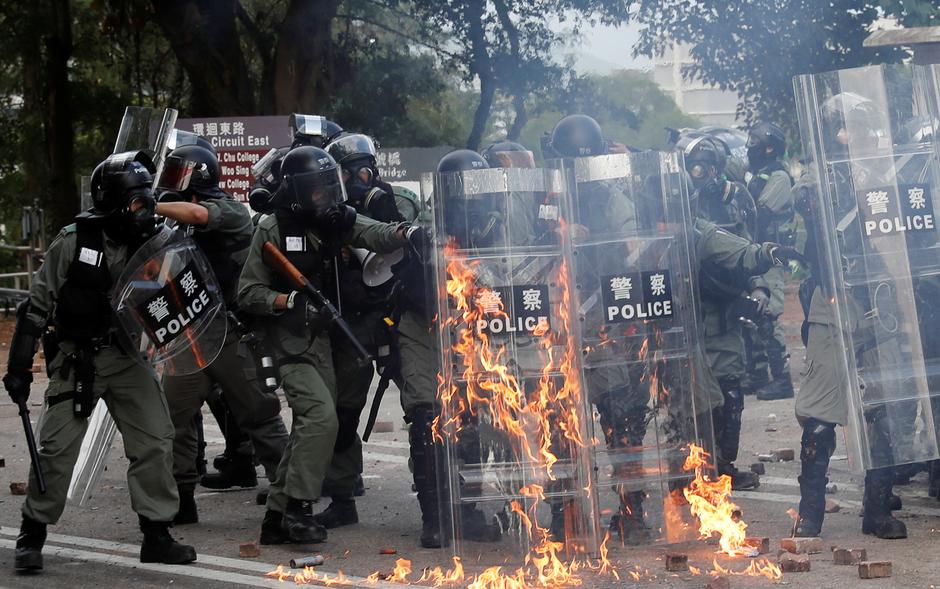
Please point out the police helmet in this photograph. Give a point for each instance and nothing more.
(191, 169)
(461, 160)
(578, 136)
(312, 180)
(508, 154)
(118, 180)
(313, 130)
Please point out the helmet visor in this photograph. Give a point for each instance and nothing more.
(263, 168)
(512, 159)
(352, 147)
(318, 191)
(176, 174)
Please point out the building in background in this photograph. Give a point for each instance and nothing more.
(709, 104)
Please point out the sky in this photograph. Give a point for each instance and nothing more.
(603, 49)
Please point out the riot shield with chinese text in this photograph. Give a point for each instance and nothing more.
(630, 239)
(513, 424)
(169, 304)
(878, 254)
(147, 129)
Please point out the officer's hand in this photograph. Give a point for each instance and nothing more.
(301, 314)
(420, 241)
(341, 218)
(171, 196)
(759, 295)
(382, 207)
(17, 385)
(781, 254)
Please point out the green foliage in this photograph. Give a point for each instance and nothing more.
(629, 106)
(755, 47)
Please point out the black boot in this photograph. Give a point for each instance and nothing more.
(781, 387)
(426, 478)
(878, 520)
(475, 527)
(816, 447)
(301, 527)
(556, 529)
(272, 529)
(236, 471)
(28, 556)
(628, 522)
(159, 546)
(341, 512)
(728, 437)
(933, 479)
(187, 513)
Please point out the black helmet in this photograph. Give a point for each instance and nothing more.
(191, 169)
(702, 150)
(312, 180)
(765, 143)
(735, 143)
(578, 136)
(508, 154)
(119, 179)
(313, 130)
(180, 138)
(460, 160)
(851, 118)
(351, 147)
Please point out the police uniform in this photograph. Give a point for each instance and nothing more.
(224, 240)
(305, 362)
(74, 284)
(772, 186)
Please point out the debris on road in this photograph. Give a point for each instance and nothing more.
(874, 570)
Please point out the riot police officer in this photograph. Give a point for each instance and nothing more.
(730, 207)
(822, 404)
(221, 226)
(309, 225)
(88, 362)
(771, 186)
(365, 309)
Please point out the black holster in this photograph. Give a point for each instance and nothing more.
(83, 400)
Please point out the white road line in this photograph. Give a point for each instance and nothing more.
(188, 570)
(784, 482)
(387, 444)
(795, 500)
(382, 457)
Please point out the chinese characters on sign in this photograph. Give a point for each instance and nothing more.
(520, 308)
(623, 303)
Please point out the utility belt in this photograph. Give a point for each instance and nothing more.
(80, 367)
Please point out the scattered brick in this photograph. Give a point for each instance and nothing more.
(771, 457)
(832, 506)
(794, 563)
(383, 427)
(786, 454)
(874, 570)
(802, 545)
(847, 556)
(17, 488)
(719, 583)
(249, 550)
(677, 563)
(388, 551)
(761, 544)
(758, 468)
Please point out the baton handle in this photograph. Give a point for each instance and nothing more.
(275, 259)
(376, 402)
(31, 445)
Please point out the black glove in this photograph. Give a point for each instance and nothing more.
(381, 206)
(17, 385)
(759, 295)
(420, 241)
(301, 314)
(341, 218)
(780, 254)
(171, 196)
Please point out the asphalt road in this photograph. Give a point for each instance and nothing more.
(97, 544)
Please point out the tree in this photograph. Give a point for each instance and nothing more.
(629, 106)
(755, 47)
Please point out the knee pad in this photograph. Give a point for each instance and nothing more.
(818, 441)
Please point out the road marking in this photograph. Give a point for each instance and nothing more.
(388, 444)
(795, 500)
(382, 457)
(191, 570)
(784, 482)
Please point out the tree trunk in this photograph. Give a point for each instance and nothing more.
(60, 133)
(206, 42)
(304, 57)
(31, 140)
(482, 66)
(522, 117)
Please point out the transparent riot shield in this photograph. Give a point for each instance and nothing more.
(877, 258)
(170, 306)
(513, 426)
(629, 233)
(148, 129)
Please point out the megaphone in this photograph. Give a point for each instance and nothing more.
(377, 268)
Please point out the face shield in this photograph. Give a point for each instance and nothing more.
(513, 159)
(176, 175)
(317, 192)
(352, 147)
